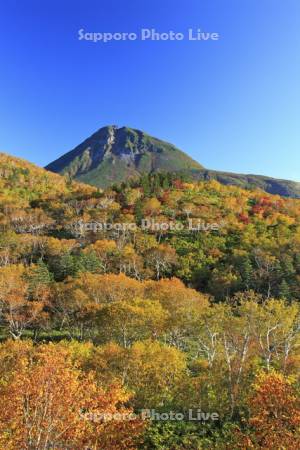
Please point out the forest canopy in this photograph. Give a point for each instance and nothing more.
(170, 319)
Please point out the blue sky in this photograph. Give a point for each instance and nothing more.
(232, 104)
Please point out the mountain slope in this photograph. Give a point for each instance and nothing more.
(112, 155)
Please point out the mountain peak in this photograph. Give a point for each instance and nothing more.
(114, 154)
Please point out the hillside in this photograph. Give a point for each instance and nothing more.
(113, 155)
(285, 188)
(23, 180)
(250, 222)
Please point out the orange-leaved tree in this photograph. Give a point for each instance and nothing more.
(19, 311)
(274, 414)
(51, 403)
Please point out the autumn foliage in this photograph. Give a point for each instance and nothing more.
(50, 403)
(115, 321)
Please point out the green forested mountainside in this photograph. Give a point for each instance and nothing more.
(198, 307)
(112, 155)
(115, 154)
